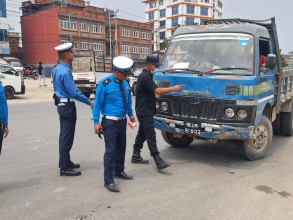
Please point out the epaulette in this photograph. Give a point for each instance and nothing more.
(106, 81)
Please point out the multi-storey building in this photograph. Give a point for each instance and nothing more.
(47, 23)
(166, 15)
(14, 44)
(4, 44)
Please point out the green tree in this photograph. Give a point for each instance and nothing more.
(165, 43)
(284, 61)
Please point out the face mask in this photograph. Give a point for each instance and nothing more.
(152, 72)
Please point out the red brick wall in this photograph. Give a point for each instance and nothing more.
(40, 36)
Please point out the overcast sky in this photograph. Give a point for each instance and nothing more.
(250, 9)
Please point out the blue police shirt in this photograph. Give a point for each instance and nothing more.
(3, 106)
(64, 86)
(109, 100)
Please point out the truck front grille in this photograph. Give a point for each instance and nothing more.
(199, 109)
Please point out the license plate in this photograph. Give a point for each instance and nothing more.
(191, 128)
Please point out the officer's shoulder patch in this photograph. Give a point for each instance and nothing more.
(106, 81)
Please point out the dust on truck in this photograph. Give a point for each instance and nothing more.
(228, 95)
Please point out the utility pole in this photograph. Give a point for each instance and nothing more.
(110, 34)
(116, 37)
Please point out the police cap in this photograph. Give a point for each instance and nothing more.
(123, 65)
(64, 47)
(153, 59)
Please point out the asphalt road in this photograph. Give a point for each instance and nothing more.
(205, 181)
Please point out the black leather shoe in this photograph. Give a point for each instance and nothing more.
(123, 175)
(160, 163)
(112, 187)
(69, 172)
(75, 165)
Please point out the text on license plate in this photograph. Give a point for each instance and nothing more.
(191, 128)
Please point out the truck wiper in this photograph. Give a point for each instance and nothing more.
(226, 68)
(184, 69)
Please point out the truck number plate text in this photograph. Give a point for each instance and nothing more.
(191, 128)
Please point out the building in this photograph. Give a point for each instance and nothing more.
(47, 23)
(14, 44)
(289, 59)
(4, 45)
(166, 15)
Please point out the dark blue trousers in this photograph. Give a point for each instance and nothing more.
(1, 136)
(115, 147)
(67, 117)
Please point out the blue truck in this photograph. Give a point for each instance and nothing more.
(235, 88)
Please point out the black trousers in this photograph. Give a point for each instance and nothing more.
(115, 147)
(146, 132)
(67, 117)
(1, 136)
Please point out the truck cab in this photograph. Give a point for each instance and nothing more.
(229, 95)
(12, 81)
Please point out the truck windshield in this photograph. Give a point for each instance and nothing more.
(213, 53)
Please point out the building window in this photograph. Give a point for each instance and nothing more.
(175, 10)
(189, 21)
(84, 45)
(205, 1)
(145, 50)
(151, 16)
(74, 44)
(125, 32)
(162, 35)
(189, 9)
(125, 48)
(161, 2)
(136, 34)
(65, 41)
(97, 46)
(204, 11)
(145, 35)
(175, 0)
(162, 13)
(135, 49)
(162, 24)
(220, 4)
(68, 25)
(96, 28)
(84, 26)
(202, 21)
(187, 0)
(153, 4)
(174, 22)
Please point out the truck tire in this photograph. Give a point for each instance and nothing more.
(256, 147)
(277, 129)
(286, 124)
(184, 141)
(134, 89)
(9, 92)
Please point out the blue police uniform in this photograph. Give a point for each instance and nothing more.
(66, 91)
(3, 113)
(110, 102)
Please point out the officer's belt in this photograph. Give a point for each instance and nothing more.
(114, 118)
(66, 100)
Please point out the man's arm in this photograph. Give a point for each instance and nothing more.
(161, 91)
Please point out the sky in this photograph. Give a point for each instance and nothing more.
(249, 9)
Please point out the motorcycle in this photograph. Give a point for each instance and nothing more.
(30, 71)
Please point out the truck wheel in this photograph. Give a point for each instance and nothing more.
(287, 125)
(184, 141)
(134, 89)
(9, 92)
(277, 129)
(256, 147)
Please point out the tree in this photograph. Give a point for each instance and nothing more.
(284, 61)
(165, 43)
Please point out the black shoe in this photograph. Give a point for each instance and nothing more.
(161, 164)
(69, 172)
(123, 175)
(74, 165)
(136, 158)
(112, 187)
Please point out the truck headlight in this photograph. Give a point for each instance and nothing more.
(164, 106)
(157, 105)
(229, 113)
(241, 114)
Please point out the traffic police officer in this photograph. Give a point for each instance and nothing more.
(145, 107)
(113, 100)
(4, 131)
(65, 92)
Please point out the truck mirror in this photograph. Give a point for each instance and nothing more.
(271, 61)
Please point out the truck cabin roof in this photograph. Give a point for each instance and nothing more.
(253, 29)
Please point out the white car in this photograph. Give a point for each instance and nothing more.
(18, 66)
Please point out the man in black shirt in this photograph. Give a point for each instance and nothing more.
(145, 107)
(41, 75)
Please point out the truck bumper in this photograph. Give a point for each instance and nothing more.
(207, 131)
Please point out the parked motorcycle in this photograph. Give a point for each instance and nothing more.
(30, 71)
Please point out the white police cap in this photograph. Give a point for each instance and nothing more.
(64, 47)
(123, 64)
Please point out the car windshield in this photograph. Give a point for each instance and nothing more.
(16, 64)
(220, 53)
